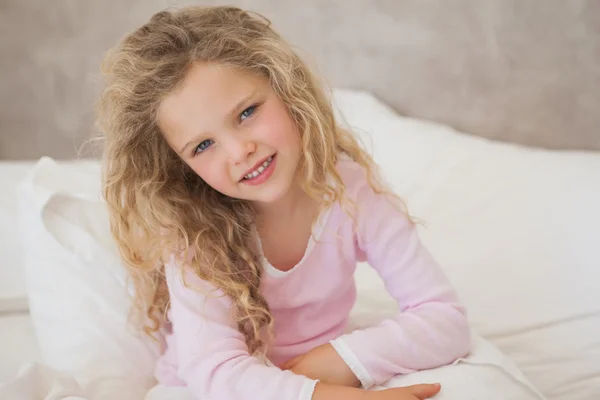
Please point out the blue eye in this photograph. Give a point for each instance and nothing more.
(205, 144)
(247, 112)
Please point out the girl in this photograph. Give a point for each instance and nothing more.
(241, 209)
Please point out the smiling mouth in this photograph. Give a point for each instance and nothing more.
(259, 170)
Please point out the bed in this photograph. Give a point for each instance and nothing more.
(499, 95)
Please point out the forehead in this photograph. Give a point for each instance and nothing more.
(208, 93)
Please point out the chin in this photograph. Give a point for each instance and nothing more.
(271, 194)
(269, 198)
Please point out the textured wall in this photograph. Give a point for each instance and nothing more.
(526, 71)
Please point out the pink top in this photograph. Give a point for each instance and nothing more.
(311, 304)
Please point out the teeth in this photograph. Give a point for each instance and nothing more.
(260, 169)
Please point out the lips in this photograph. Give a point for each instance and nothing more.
(258, 168)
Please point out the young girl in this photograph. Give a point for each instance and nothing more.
(241, 208)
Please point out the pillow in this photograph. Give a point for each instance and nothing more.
(516, 230)
(77, 287)
(13, 293)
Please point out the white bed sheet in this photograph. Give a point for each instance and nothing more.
(18, 345)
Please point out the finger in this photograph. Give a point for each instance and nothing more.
(425, 391)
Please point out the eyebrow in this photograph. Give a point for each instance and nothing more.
(233, 111)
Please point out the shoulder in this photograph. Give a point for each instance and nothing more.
(371, 196)
(355, 179)
(354, 175)
(184, 280)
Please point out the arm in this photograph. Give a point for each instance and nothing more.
(431, 329)
(215, 364)
(213, 357)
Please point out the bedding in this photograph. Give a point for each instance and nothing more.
(18, 345)
(13, 293)
(514, 228)
(13, 287)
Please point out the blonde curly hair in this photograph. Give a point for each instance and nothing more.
(157, 204)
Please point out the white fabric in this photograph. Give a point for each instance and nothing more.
(77, 285)
(37, 381)
(514, 227)
(13, 293)
(13, 288)
(485, 374)
(18, 344)
(516, 230)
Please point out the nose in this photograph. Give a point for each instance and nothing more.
(239, 148)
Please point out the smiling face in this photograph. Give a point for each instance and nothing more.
(234, 131)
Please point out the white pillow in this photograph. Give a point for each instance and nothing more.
(13, 287)
(516, 230)
(76, 283)
(13, 293)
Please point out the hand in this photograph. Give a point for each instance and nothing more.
(415, 392)
(325, 364)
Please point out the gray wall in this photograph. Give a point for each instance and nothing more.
(526, 71)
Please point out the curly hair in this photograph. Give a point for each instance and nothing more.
(157, 204)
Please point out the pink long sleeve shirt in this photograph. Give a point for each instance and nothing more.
(311, 304)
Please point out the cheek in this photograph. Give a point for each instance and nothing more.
(278, 129)
(211, 172)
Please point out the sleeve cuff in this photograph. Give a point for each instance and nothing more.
(308, 390)
(353, 362)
